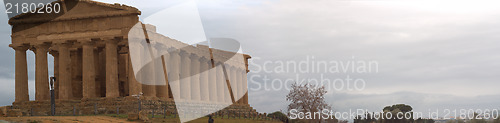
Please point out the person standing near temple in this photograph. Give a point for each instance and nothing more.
(210, 120)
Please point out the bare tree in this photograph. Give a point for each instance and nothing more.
(308, 98)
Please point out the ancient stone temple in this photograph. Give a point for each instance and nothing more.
(92, 64)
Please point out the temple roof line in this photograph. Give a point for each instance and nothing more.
(124, 10)
(160, 39)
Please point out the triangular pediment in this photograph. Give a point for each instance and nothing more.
(76, 9)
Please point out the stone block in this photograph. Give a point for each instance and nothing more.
(3, 111)
(143, 115)
(14, 113)
(133, 116)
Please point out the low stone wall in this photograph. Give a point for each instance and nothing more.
(120, 105)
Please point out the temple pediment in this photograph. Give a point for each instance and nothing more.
(76, 9)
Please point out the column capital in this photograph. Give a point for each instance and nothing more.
(21, 47)
(108, 38)
(64, 44)
(38, 47)
(86, 41)
(63, 41)
(194, 56)
(172, 50)
(114, 40)
(218, 63)
(183, 53)
(161, 48)
(124, 41)
(204, 59)
(123, 50)
(155, 45)
(229, 66)
(241, 70)
(121, 41)
(173, 54)
(54, 53)
(44, 46)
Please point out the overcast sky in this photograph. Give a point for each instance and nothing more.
(431, 54)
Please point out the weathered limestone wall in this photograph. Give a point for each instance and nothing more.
(109, 106)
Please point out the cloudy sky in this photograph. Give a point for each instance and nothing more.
(431, 54)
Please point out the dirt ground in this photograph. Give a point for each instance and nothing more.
(109, 119)
(65, 119)
(217, 120)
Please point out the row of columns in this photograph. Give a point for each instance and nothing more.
(199, 79)
(62, 68)
(192, 74)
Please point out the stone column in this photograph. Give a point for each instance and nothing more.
(64, 72)
(195, 77)
(148, 74)
(100, 59)
(88, 69)
(123, 70)
(111, 69)
(173, 73)
(245, 86)
(212, 81)
(221, 82)
(21, 85)
(135, 88)
(184, 76)
(41, 73)
(204, 79)
(160, 72)
(76, 72)
(227, 94)
(162, 75)
(99, 72)
(231, 71)
(240, 85)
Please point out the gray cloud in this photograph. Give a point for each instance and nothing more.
(431, 54)
(423, 52)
